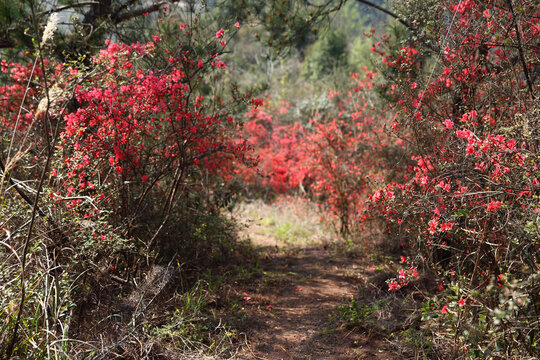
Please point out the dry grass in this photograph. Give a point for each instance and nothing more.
(288, 221)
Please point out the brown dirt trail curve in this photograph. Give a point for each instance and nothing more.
(288, 309)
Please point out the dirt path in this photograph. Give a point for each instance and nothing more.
(289, 309)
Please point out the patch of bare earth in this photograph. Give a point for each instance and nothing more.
(288, 308)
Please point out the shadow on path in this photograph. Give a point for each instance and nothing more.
(289, 308)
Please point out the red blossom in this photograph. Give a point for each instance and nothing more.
(494, 205)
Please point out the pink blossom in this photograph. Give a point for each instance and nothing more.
(494, 205)
(449, 124)
(463, 134)
(511, 144)
(433, 226)
(447, 226)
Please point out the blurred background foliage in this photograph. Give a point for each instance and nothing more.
(285, 50)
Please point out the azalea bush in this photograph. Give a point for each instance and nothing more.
(109, 162)
(468, 114)
(336, 158)
(349, 152)
(446, 155)
(277, 147)
(152, 138)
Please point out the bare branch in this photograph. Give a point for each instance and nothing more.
(388, 12)
(123, 6)
(520, 50)
(118, 18)
(65, 7)
(6, 43)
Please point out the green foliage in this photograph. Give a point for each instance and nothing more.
(360, 53)
(356, 313)
(419, 341)
(422, 14)
(328, 53)
(12, 27)
(283, 23)
(192, 326)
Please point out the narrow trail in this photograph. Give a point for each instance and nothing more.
(290, 308)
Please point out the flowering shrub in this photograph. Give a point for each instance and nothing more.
(469, 203)
(278, 149)
(148, 134)
(336, 158)
(347, 153)
(459, 159)
(131, 148)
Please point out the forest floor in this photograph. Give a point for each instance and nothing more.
(311, 297)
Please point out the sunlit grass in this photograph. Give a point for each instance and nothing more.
(288, 221)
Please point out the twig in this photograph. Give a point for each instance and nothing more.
(65, 7)
(520, 50)
(388, 12)
(35, 207)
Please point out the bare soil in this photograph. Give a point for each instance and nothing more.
(290, 309)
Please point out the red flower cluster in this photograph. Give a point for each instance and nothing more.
(332, 157)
